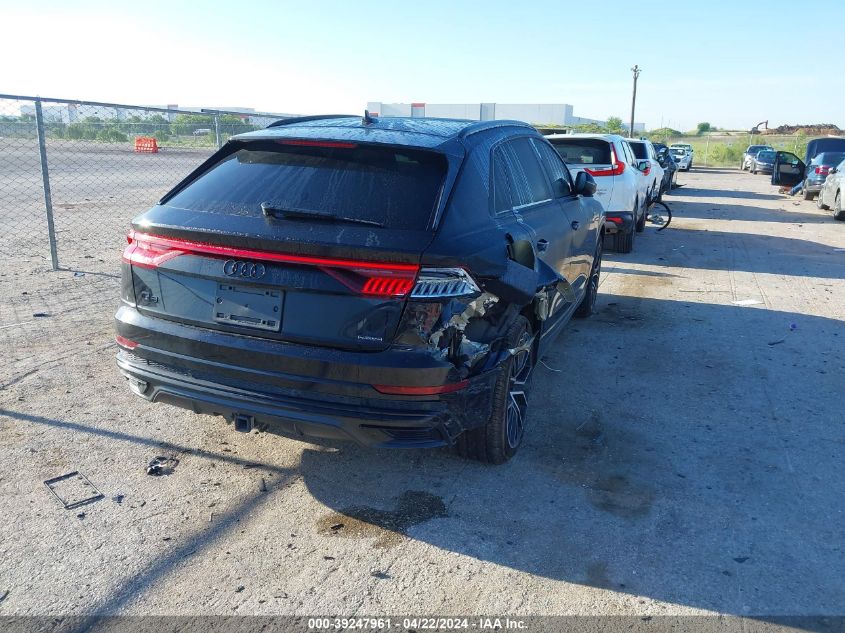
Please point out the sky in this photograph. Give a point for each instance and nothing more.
(732, 64)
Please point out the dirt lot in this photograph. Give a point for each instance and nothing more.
(684, 456)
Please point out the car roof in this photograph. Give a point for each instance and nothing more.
(412, 131)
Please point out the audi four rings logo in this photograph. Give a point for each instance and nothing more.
(244, 269)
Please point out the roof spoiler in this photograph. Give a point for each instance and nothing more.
(304, 119)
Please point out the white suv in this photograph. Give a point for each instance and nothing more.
(644, 151)
(689, 154)
(620, 186)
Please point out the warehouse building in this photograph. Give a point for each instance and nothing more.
(536, 113)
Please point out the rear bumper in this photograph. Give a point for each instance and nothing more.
(813, 186)
(764, 169)
(618, 222)
(317, 406)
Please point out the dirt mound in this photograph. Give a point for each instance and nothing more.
(819, 129)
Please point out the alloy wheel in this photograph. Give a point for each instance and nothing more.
(520, 371)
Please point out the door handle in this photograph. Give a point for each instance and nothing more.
(575, 225)
(542, 245)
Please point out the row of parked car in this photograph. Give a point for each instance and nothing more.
(630, 175)
(819, 175)
(391, 281)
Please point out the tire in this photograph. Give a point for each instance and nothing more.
(588, 303)
(819, 203)
(754, 171)
(624, 242)
(498, 441)
(838, 211)
(807, 194)
(639, 224)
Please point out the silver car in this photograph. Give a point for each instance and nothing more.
(682, 157)
(830, 195)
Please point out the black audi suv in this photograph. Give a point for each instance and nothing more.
(390, 281)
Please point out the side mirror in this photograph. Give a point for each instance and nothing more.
(584, 184)
(642, 165)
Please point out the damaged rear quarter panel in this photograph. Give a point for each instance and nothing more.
(469, 331)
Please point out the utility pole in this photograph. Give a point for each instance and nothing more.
(636, 70)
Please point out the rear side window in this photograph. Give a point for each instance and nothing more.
(517, 162)
(502, 198)
(556, 170)
(629, 154)
(639, 150)
(583, 151)
(394, 188)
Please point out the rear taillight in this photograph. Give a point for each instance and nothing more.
(148, 251)
(437, 283)
(373, 279)
(407, 390)
(617, 168)
(824, 170)
(647, 171)
(614, 220)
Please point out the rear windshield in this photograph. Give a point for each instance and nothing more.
(757, 148)
(583, 151)
(678, 151)
(829, 158)
(639, 150)
(766, 155)
(392, 187)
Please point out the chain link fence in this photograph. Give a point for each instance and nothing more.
(73, 173)
(72, 176)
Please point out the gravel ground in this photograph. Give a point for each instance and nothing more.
(684, 456)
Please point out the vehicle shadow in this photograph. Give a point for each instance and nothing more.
(667, 485)
(788, 213)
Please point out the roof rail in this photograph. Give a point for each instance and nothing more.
(313, 117)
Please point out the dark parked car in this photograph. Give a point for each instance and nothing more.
(751, 152)
(670, 167)
(818, 170)
(789, 170)
(763, 162)
(392, 281)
